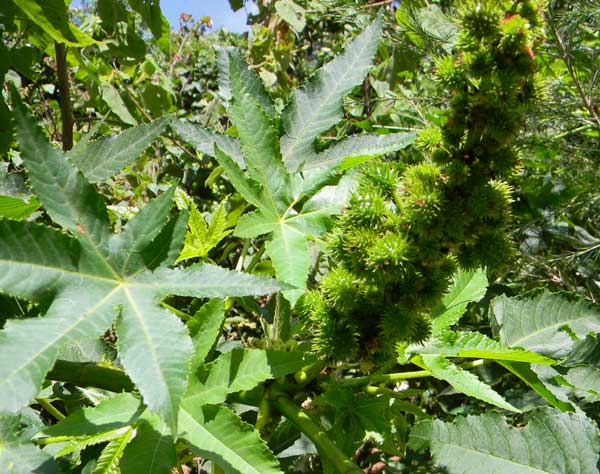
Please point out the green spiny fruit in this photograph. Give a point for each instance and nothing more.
(406, 228)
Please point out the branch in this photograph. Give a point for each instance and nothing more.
(587, 100)
(64, 96)
(314, 432)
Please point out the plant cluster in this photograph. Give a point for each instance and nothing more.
(404, 231)
(155, 304)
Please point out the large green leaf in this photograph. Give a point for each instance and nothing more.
(52, 16)
(463, 381)
(18, 455)
(477, 346)
(552, 443)
(318, 106)
(241, 369)
(95, 279)
(102, 159)
(544, 323)
(218, 434)
(467, 287)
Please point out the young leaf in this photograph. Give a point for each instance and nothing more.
(218, 434)
(202, 238)
(94, 279)
(463, 381)
(241, 369)
(108, 462)
(102, 159)
(318, 106)
(552, 443)
(545, 323)
(467, 287)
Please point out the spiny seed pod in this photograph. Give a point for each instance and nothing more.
(406, 228)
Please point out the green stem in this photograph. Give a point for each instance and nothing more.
(281, 319)
(396, 377)
(256, 258)
(46, 405)
(326, 447)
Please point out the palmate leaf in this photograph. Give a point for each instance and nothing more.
(552, 443)
(268, 185)
(202, 238)
(318, 106)
(94, 279)
(462, 380)
(547, 323)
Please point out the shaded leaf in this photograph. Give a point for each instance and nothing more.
(547, 323)
(552, 442)
(463, 381)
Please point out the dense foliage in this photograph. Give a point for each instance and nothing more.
(360, 239)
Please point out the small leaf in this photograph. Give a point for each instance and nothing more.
(113, 99)
(292, 13)
(218, 434)
(552, 443)
(17, 208)
(204, 328)
(467, 287)
(463, 381)
(477, 346)
(201, 238)
(152, 451)
(108, 462)
(242, 369)
(359, 146)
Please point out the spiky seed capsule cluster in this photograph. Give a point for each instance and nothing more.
(406, 229)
